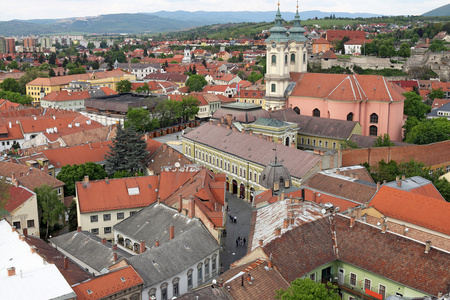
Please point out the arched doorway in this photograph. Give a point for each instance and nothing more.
(235, 186)
(297, 110)
(242, 191)
(287, 141)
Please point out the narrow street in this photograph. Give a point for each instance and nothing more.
(243, 212)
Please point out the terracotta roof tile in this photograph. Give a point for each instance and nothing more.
(66, 96)
(31, 177)
(17, 197)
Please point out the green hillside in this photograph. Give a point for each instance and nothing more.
(439, 12)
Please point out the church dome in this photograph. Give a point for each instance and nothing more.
(275, 177)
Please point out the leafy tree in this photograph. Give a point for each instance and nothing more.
(79, 70)
(10, 85)
(52, 59)
(135, 60)
(436, 94)
(71, 174)
(41, 58)
(409, 124)
(308, 289)
(50, 206)
(123, 86)
(127, 151)
(94, 64)
(16, 97)
(73, 222)
(29, 76)
(437, 46)
(196, 83)
(44, 67)
(140, 118)
(103, 44)
(348, 144)
(4, 194)
(188, 108)
(383, 141)
(51, 73)
(254, 77)
(443, 186)
(414, 107)
(143, 89)
(13, 65)
(340, 44)
(429, 131)
(167, 111)
(405, 50)
(90, 45)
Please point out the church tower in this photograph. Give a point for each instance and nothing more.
(285, 53)
(187, 56)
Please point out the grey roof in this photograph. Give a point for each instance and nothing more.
(241, 112)
(141, 226)
(368, 141)
(315, 126)
(134, 66)
(88, 248)
(409, 183)
(119, 103)
(270, 122)
(241, 106)
(274, 173)
(434, 112)
(191, 244)
(254, 149)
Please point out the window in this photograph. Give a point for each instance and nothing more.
(94, 230)
(16, 224)
(350, 117)
(302, 140)
(273, 87)
(314, 142)
(297, 110)
(312, 277)
(30, 224)
(199, 273)
(250, 174)
(189, 276)
(285, 59)
(58, 191)
(447, 169)
(382, 290)
(374, 118)
(334, 145)
(367, 283)
(107, 230)
(106, 217)
(316, 112)
(207, 268)
(292, 58)
(373, 130)
(214, 263)
(132, 213)
(353, 279)
(274, 59)
(176, 287)
(164, 291)
(326, 144)
(308, 141)
(94, 218)
(320, 143)
(120, 216)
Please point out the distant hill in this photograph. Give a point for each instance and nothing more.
(442, 11)
(162, 21)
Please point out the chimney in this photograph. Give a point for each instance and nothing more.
(276, 186)
(170, 150)
(11, 271)
(115, 256)
(278, 231)
(13, 228)
(141, 246)
(86, 178)
(403, 177)
(399, 183)
(180, 202)
(249, 278)
(286, 223)
(260, 136)
(352, 221)
(164, 147)
(30, 171)
(427, 246)
(66, 263)
(261, 242)
(156, 243)
(33, 249)
(103, 240)
(250, 132)
(222, 119)
(292, 145)
(21, 237)
(210, 121)
(114, 247)
(397, 178)
(171, 232)
(229, 118)
(378, 185)
(270, 263)
(79, 229)
(25, 232)
(383, 227)
(292, 221)
(191, 211)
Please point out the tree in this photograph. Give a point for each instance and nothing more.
(90, 45)
(51, 73)
(52, 59)
(143, 89)
(13, 65)
(123, 86)
(4, 194)
(127, 151)
(414, 107)
(429, 131)
(436, 94)
(167, 111)
(79, 70)
(348, 144)
(308, 289)
(29, 76)
(50, 206)
(71, 174)
(383, 141)
(196, 83)
(405, 50)
(73, 222)
(188, 108)
(41, 58)
(10, 85)
(254, 77)
(140, 118)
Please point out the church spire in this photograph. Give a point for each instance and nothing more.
(278, 33)
(297, 32)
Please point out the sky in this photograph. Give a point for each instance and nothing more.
(51, 9)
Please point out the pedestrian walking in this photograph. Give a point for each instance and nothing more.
(235, 219)
(237, 242)
(244, 241)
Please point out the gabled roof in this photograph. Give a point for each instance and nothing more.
(414, 208)
(59, 96)
(17, 196)
(252, 148)
(342, 87)
(31, 178)
(108, 284)
(329, 55)
(340, 34)
(321, 41)
(417, 185)
(165, 156)
(88, 248)
(120, 193)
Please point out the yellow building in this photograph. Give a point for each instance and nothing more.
(278, 131)
(40, 87)
(253, 97)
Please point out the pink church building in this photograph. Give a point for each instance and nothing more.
(375, 103)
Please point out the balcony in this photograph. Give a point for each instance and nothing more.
(358, 289)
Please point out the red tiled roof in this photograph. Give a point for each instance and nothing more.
(321, 41)
(414, 208)
(17, 197)
(347, 87)
(66, 96)
(109, 284)
(428, 190)
(340, 34)
(31, 178)
(112, 194)
(358, 42)
(329, 55)
(8, 105)
(439, 102)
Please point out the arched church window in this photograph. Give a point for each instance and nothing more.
(274, 59)
(274, 87)
(285, 59)
(304, 57)
(316, 112)
(297, 110)
(374, 118)
(350, 117)
(292, 58)
(373, 130)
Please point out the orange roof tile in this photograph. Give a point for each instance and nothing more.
(414, 208)
(66, 96)
(108, 284)
(428, 190)
(17, 196)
